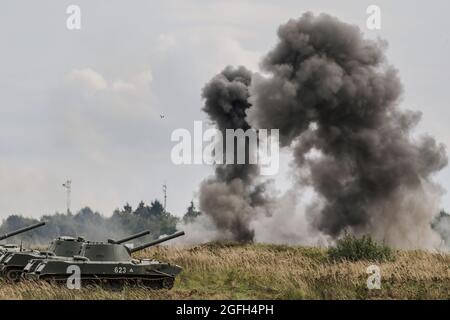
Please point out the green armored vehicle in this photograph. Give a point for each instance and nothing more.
(4, 248)
(109, 264)
(13, 263)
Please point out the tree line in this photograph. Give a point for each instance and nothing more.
(94, 226)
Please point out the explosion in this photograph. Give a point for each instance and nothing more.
(335, 100)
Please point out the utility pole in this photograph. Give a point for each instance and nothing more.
(165, 195)
(68, 186)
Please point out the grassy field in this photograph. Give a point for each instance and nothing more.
(215, 271)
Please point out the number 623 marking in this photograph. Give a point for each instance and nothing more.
(120, 270)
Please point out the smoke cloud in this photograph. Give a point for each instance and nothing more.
(442, 225)
(234, 196)
(335, 100)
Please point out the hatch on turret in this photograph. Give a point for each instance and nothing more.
(66, 246)
(105, 252)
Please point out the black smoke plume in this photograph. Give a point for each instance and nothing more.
(335, 100)
(233, 196)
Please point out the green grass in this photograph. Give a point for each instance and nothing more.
(259, 271)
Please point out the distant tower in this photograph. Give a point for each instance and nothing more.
(165, 196)
(68, 186)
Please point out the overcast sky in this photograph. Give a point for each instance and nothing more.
(86, 104)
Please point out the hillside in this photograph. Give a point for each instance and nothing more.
(218, 271)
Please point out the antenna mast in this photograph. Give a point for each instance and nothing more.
(68, 186)
(165, 195)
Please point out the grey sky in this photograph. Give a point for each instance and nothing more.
(86, 104)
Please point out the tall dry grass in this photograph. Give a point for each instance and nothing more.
(218, 271)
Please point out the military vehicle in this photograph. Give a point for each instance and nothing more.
(13, 263)
(13, 247)
(108, 264)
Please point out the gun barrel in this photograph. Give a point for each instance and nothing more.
(11, 234)
(134, 236)
(155, 242)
